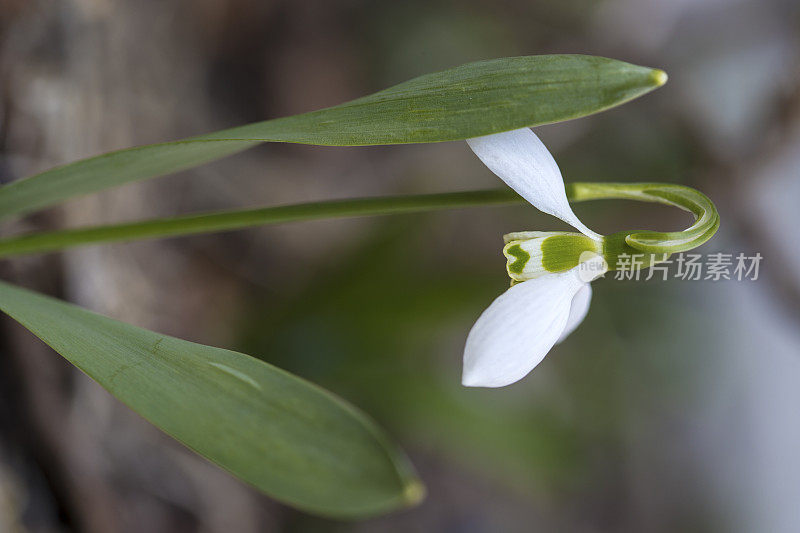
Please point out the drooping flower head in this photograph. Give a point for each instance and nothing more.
(546, 304)
(551, 271)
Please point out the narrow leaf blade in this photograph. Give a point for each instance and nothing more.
(285, 436)
(467, 101)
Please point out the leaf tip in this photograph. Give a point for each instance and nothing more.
(414, 492)
(659, 77)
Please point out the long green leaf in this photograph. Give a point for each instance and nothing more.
(467, 101)
(281, 434)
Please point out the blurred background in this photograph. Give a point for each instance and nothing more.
(675, 407)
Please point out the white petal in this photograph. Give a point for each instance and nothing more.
(514, 334)
(521, 160)
(578, 310)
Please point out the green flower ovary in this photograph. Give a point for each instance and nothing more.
(621, 256)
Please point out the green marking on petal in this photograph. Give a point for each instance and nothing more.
(521, 259)
(563, 252)
(532, 254)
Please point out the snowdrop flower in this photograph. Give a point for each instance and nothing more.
(550, 271)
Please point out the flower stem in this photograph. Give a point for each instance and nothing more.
(706, 217)
(651, 242)
(246, 218)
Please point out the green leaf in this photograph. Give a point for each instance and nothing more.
(285, 436)
(467, 101)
